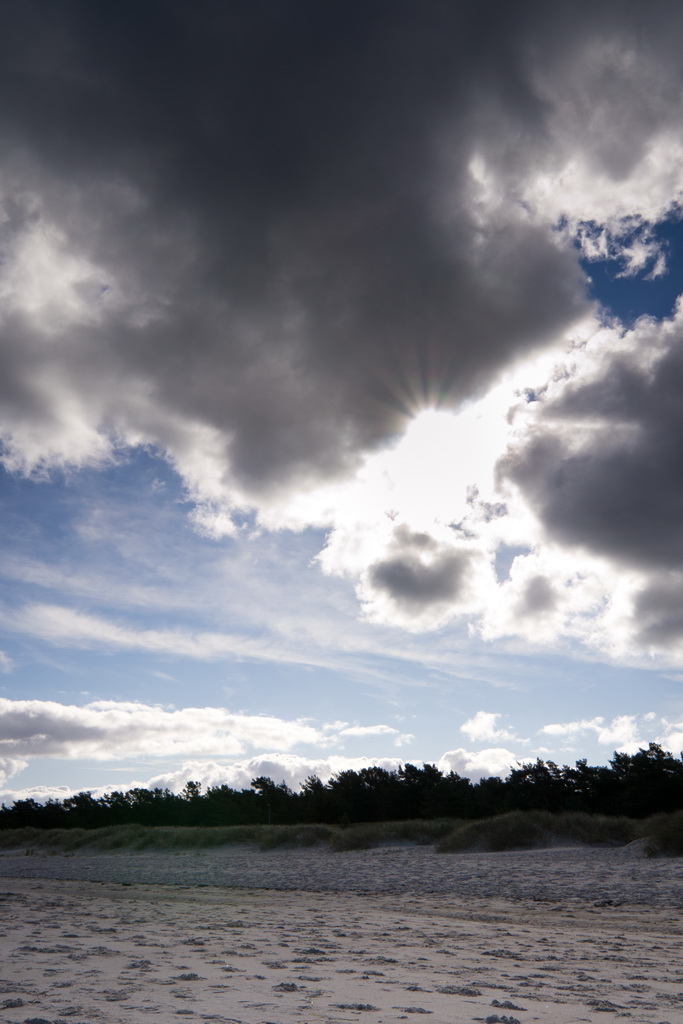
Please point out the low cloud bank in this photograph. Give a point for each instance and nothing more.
(291, 769)
(109, 731)
(105, 730)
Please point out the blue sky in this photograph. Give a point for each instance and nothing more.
(113, 550)
(343, 431)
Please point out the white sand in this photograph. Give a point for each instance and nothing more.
(375, 936)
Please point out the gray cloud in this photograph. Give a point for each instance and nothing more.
(257, 237)
(538, 597)
(271, 205)
(658, 611)
(420, 572)
(604, 469)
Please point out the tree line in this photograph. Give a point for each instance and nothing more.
(636, 785)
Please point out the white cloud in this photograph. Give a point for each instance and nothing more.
(6, 663)
(572, 728)
(106, 730)
(292, 769)
(280, 767)
(548, 593)
(212, 520)
(115, 730)
(41, 794)
(482, 726)
(478, 764)
(368, 730)
(672, 736)
(11, 766)
(622, 733)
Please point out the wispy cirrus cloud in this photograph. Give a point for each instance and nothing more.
(64, 626)
(399, 738)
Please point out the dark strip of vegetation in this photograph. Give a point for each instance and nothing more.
(632, 786)
(662, 835)
(266, 837)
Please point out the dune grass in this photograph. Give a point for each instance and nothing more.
(663, 835)
(266, 837)
(363, 837)
(271, 836)
(529, 829)
(127, 837)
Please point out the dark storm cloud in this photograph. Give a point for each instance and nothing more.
(605, 468)
(658, 612)
(274, 197)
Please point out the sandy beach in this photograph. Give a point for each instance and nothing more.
(559, 936)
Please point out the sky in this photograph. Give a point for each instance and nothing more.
(341, 362)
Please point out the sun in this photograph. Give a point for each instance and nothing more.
(441, 459)
(424, 479)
